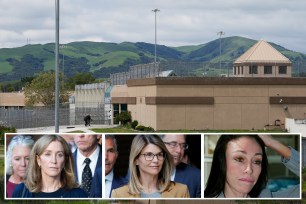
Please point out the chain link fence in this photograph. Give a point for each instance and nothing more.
(186, 68)
(31, 117)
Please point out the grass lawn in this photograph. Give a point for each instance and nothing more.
(1, 161)
(126, 130)
(1, 166)
(113, 130)
(77, 131)
(1, 149)
(303, 186)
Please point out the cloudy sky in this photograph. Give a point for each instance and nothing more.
(179, 22)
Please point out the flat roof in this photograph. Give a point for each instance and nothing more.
(216, 81)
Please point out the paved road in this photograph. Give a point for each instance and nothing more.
(63, 129)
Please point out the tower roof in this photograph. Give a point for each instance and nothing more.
(262, 52)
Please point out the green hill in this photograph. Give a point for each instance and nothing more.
(102, 58)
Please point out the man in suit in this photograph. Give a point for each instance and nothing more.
(112, 181)
(183, 173)
(87, 148)
(96, 187)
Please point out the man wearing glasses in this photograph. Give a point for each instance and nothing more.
(183, 173)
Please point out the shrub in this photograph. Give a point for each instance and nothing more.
(140, 127)
(123, 117)
(116, 119)
(149, 129)
(144, 128)
(134, 124)
(5, 129)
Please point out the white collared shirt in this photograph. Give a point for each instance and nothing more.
(81, 165)
(173, 175)
(108, 183)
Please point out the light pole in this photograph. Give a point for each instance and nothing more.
(63, 65)
(56, 66)
(220, 33)
(155, 11)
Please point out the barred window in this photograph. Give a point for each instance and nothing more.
(253, 69)
(282, 69)
(268, 70)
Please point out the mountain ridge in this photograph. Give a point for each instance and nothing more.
(104, 58)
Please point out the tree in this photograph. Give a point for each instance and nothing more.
(124, 117)
(42, 90)
(80, 78)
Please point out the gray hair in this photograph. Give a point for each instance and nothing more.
(17, 140)
(162, 136)
(112, 137)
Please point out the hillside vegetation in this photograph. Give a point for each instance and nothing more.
(103, 59)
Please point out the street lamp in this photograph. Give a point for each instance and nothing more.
(155, 11)
(220, 33)
(56, 108)
(63, 65)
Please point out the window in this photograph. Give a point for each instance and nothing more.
(123, 107)
(115, 112)
(253, 69)
(241, 70)
(235, 70)
(282, 69)
(268, 70)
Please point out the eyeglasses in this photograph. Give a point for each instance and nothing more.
(175, 144)
(150, 156)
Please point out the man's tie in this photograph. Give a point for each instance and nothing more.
(86, 176)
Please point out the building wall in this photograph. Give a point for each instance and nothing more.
(90, 95)
(244, 71)
(237, 103)
(12, 99)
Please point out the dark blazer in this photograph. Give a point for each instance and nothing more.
(21, 191)
(189, 176)
(118, 182)
(99, 164)
(96, 186)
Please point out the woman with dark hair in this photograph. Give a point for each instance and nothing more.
(151, 167)
(240, 167)
(50, 172)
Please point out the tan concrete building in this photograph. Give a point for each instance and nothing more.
(12, 100)
(262, 60)
(195, 103)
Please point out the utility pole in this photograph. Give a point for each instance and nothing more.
(56, 108)
(220, 33)
(155, 11)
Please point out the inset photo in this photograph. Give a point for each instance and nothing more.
(153, 165)
(59, 166)
(252, 166)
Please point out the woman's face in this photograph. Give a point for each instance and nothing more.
(52, 160)
(20, 160)
(243, 166)
(146, 165)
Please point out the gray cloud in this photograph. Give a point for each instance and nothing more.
(179, 22)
